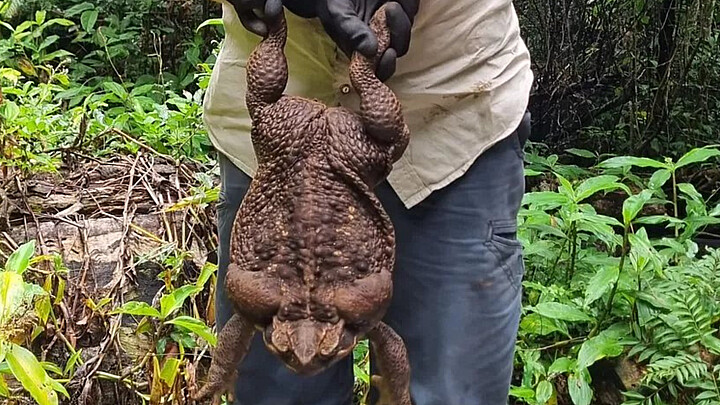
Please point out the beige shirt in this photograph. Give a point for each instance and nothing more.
(464, 85)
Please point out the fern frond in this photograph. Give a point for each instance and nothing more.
(9, 8)
(681, 368)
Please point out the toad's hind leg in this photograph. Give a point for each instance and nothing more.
(233, 344)
(267, 69)
(394, 383)
(380, 109)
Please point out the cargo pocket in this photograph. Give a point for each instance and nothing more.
(507, 249)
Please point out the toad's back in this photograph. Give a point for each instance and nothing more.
(310, 217)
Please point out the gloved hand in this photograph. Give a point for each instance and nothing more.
(347, 23)
(255, 14)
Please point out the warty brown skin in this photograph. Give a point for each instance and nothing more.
(312, 250)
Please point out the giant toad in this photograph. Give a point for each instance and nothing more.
(312, 250)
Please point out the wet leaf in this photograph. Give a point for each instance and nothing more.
(697, 155)
(599, 283)
(543, 391)
(556, 310)
(580, 391)
(196, 326)
(138, 309)
(28, 371)
(19, 260)
(633, 204)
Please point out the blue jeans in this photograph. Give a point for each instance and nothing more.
(456, 299)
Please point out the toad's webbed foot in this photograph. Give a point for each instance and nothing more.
(394, 383)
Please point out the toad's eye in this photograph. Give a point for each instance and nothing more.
(292, 312)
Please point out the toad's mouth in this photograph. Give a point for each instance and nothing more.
(308, 346)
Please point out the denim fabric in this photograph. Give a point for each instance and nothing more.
(457, 291)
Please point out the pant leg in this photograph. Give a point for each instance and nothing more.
(263, 379)
(457, 283)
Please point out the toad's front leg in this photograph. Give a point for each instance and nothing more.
(267, 69)
(233, 344)
(394, 382)
(380, 109)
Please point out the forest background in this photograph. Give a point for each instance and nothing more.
(109, 186)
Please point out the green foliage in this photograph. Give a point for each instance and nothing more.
(599, 288)
(19, 310)
(56, 100)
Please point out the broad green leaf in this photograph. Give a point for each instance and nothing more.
(8, 26)
(12, 291)
(581, 152)
(141, 90)
(594, 184)
(55, 55)
(196, 326)
(697, 155)
(633, 204)
(658, 219)
(172, 302)
(602, 231)
(207, 270)
(715, 211)
(627, 161)
(169, 370)
(711, 342)
(210, 21)
(580, 391)
(561, 365)
(26, 369)
(40, 16)
(597, 348)
(659, 178)
(522, 392)
(545, 199)
(531, 172)
(138, 309)
(59, 21)
(547, 229)
(689, 190)
(705, 395)
(695, 202)
(19, 260)
(4, 389)
(9, 110)
(556, 310)
(703, 220)
(22, 27)
(642, 251)
(78, 8)
(72, 361)
(543, 391)
(43, 308)
(88, 19)
(565, 187)
(537, 324)
(115, 88)
(599, 283)
(48, 41)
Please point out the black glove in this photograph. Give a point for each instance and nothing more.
(255, 14)
(346, 21)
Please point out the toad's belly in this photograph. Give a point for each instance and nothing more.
(311, 229)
